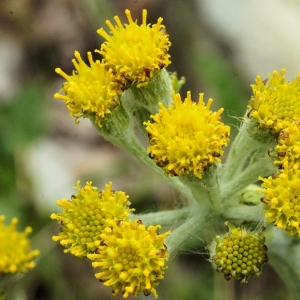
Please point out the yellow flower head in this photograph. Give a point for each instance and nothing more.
(15, 254)
(282, 198)
(86, 215)
(275, 102)
(135, 52)
(90, 92)
(288, 146)
(131, 258)
(186, 137)
(240, 254)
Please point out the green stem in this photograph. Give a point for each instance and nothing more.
(206, 190)
(261, 167)
(211, 180)
(164, 218)
(240, 213)
(198, 189)
(201, 218)
(249, 142)
(134, 147)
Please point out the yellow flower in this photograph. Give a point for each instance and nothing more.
(275, 102)
(282, 198)
(134, 52)
(131, 258)
(86, 215)
(288, 146)
(15, 254)
(240, 254)
(187, 137)
(90, 92)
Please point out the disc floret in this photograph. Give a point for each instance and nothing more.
(135, 52)
(239, 254)
(132, 258)
(91, 91)
(187, 137)
(275, 101)
(86, 215)
(282, 199)
(15, 253)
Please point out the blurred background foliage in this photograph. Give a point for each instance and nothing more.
(43, 152)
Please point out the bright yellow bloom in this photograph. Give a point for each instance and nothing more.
(240, 254)
(288, 146)
(135, 52)
(275, 102)
(282, 199)
(90, 92)
(131, 258)
(86, 215)
(187, 137)
(15, 254)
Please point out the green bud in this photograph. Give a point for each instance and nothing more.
(239, 253)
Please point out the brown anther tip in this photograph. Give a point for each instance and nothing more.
(249, 112)
(147, 71)
(227, 277)
(263, 200)
(161, 65)
(281, 154)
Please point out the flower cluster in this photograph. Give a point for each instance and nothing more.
(90, 91)
(122, 50)
(133, 54)
(131, 258)
(187, 137)
(15, 253)
(276, 105)
(86, 215)
(275, 102)
(282, 198)
(239, 254)
(128, 88)
(95, 225)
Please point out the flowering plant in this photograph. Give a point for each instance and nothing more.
(129, 96)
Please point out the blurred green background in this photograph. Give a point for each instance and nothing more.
(44, 153)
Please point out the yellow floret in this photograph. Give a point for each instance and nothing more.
(86, 215)
(288, 146)
(90, 92)
(132, 258)
(135, 52)
(15, 254)
(275, 102)
(187, 137)
(282, 198)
